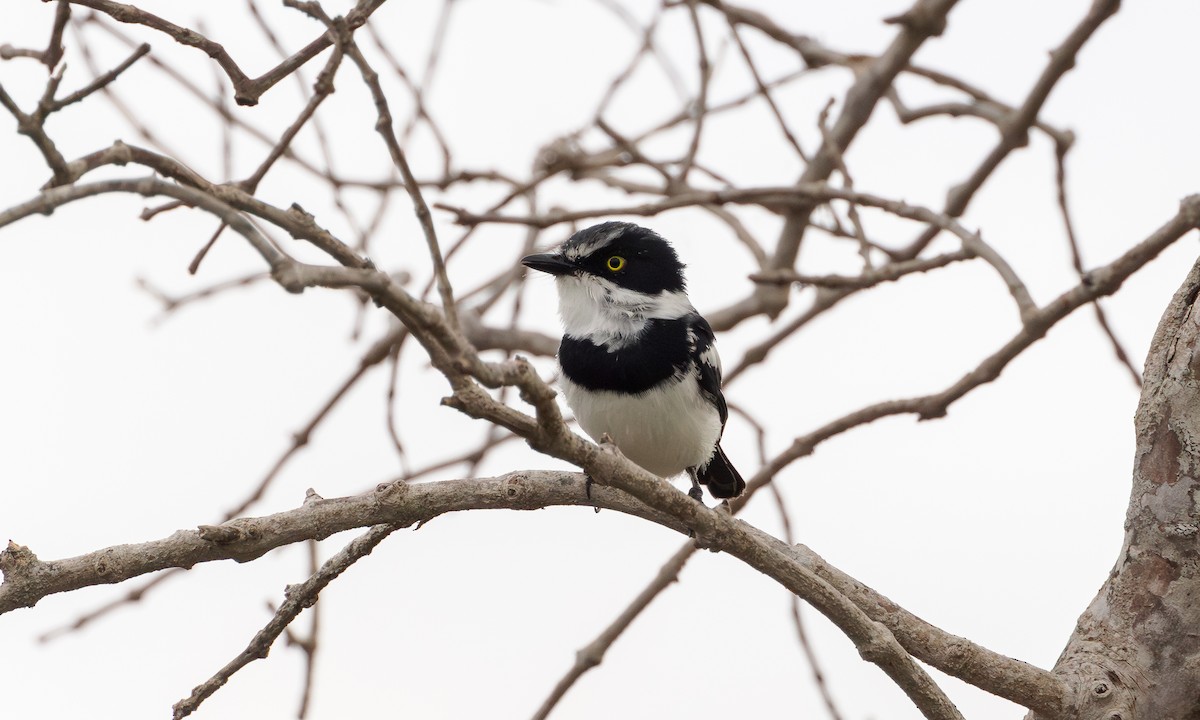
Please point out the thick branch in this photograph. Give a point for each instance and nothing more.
(1133, 651)
(28, 579)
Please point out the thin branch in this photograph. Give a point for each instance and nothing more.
(1077, 262)
(875, 276)
(247, 90)
(298, 597)
(311, 644)
(384, 127)
(31, 125)
(925, 19)
(700, 105)
(390, 410)
(646, 47)
(421, 109)
(839, 162)
(54, 48)
(184, 82)
(592, 654)
(1098, 283)
(102, 81)
(774, 198)
(798, 620)
(376, 354)
(131, 596)
(1014, 130)
(764, 89)
(171, 303)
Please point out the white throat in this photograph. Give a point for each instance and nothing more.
(595, 309)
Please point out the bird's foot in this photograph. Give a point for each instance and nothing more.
(587, 489)
(695, 492)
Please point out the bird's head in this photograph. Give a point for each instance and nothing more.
(612, 278)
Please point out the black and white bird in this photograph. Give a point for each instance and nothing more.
(638, 362)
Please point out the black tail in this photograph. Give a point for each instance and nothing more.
(722, 479)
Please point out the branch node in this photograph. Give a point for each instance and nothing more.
(930, 24)
(878, 648)
(590, 656)
(102, 566)
(300, 213)
(17, 561)
(287, 276)
(1190, 206)
(221, 534)
(391, 490)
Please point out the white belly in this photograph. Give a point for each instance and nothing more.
(665, 429)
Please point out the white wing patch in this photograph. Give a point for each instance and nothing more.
(711, 357)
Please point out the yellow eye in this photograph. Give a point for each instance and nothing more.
(616, 263)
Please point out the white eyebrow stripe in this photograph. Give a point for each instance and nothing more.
(584, 249)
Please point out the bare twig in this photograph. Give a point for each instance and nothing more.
(700, 105)
(54, 49)
(384, 127)
(592, 654)
(376, 354)
(925, 19)
(887, 273)
(298, 597)
(1014, 131)
(130, 596)
(839, 162)
(1060, 157)
(310, 644)
(798, 620)
(171, 303)
(247, 90)
(764, 89)
(102, 81)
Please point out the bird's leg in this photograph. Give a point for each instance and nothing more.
(695, 493)
(605, 439)
(587, 489)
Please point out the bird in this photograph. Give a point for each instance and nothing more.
(639, 364)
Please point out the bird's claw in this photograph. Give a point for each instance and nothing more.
(587, 489)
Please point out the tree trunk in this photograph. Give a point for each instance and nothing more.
(1135, 652)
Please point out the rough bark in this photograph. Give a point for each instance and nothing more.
(1135, 652)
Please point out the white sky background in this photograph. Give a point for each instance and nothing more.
(997, 523)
